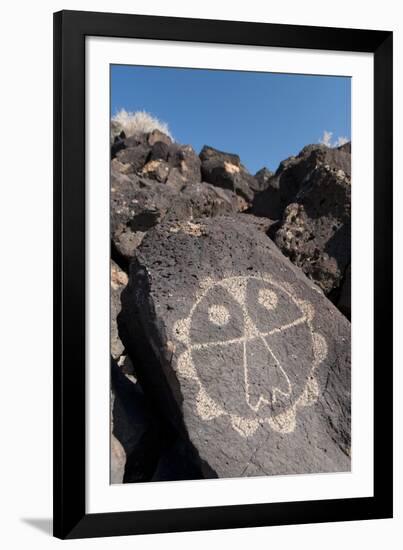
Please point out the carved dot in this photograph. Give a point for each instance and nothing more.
(268, 298)
(219, 315)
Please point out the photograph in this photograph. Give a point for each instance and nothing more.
(230, 273)
(200, 310)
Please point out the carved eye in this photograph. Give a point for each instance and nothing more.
(268, 298)
(219, 315)
(270, 307)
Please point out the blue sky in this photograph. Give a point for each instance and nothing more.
(262, 117)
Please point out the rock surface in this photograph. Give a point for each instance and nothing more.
(155, 156)
(118, 282)
(185, 165)
(133, 151)
(315, 230)
(225, 170)
(139, 437)
(239, 350)
(267, 203)
(139, 203)
(293, 174)
(177, 463)
(263, 178)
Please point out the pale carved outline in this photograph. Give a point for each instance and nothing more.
(207, 409)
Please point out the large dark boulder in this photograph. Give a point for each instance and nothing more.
(136, 206)
(157, 157)
(315, 231)
(133, 151)
(225, 170)
(267, 203)
(264, 225)
(294, 172)
(202, 200)
(156, 169)
(117, 144)
(184, 165)
(139, 203)
(262, 178)
(239, 350)
(139, 436)
(178, 463)
(159, 151)
(156, 136)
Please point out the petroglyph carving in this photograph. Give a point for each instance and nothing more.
(240, 337)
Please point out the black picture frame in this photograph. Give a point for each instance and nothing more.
(70, 31)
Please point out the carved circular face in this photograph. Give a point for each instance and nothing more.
(252, 350)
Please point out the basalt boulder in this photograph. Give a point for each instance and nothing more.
(139, 436)
(159, 151)
(225, 170)
(262, 179)
(185, 165)
(267, 203)
(175, 164)
(315, 230)
(293, 174)
(139, 203)
(133, 151)
(157, 157)
(177, 463)
(156, 136)
(239, 350)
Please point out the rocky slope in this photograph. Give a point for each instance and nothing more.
(230, 357)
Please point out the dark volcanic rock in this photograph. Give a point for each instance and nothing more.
(239, 350)
(315, 229)
(118, 282)
(346, 147)
(225, 170)
(267, 203)
(185, 165)
(177, 164)
(134, 151)
(156, 136)
(262, 224)
(135, 208)
(262, 178)
(136, 430)
(293, 173)
(139, 203)
(118, 144)
(177, 463)
(159, 151)
(156, 170)
(202, 200)
(155, 156)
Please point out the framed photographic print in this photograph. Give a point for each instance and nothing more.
(223, 274)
